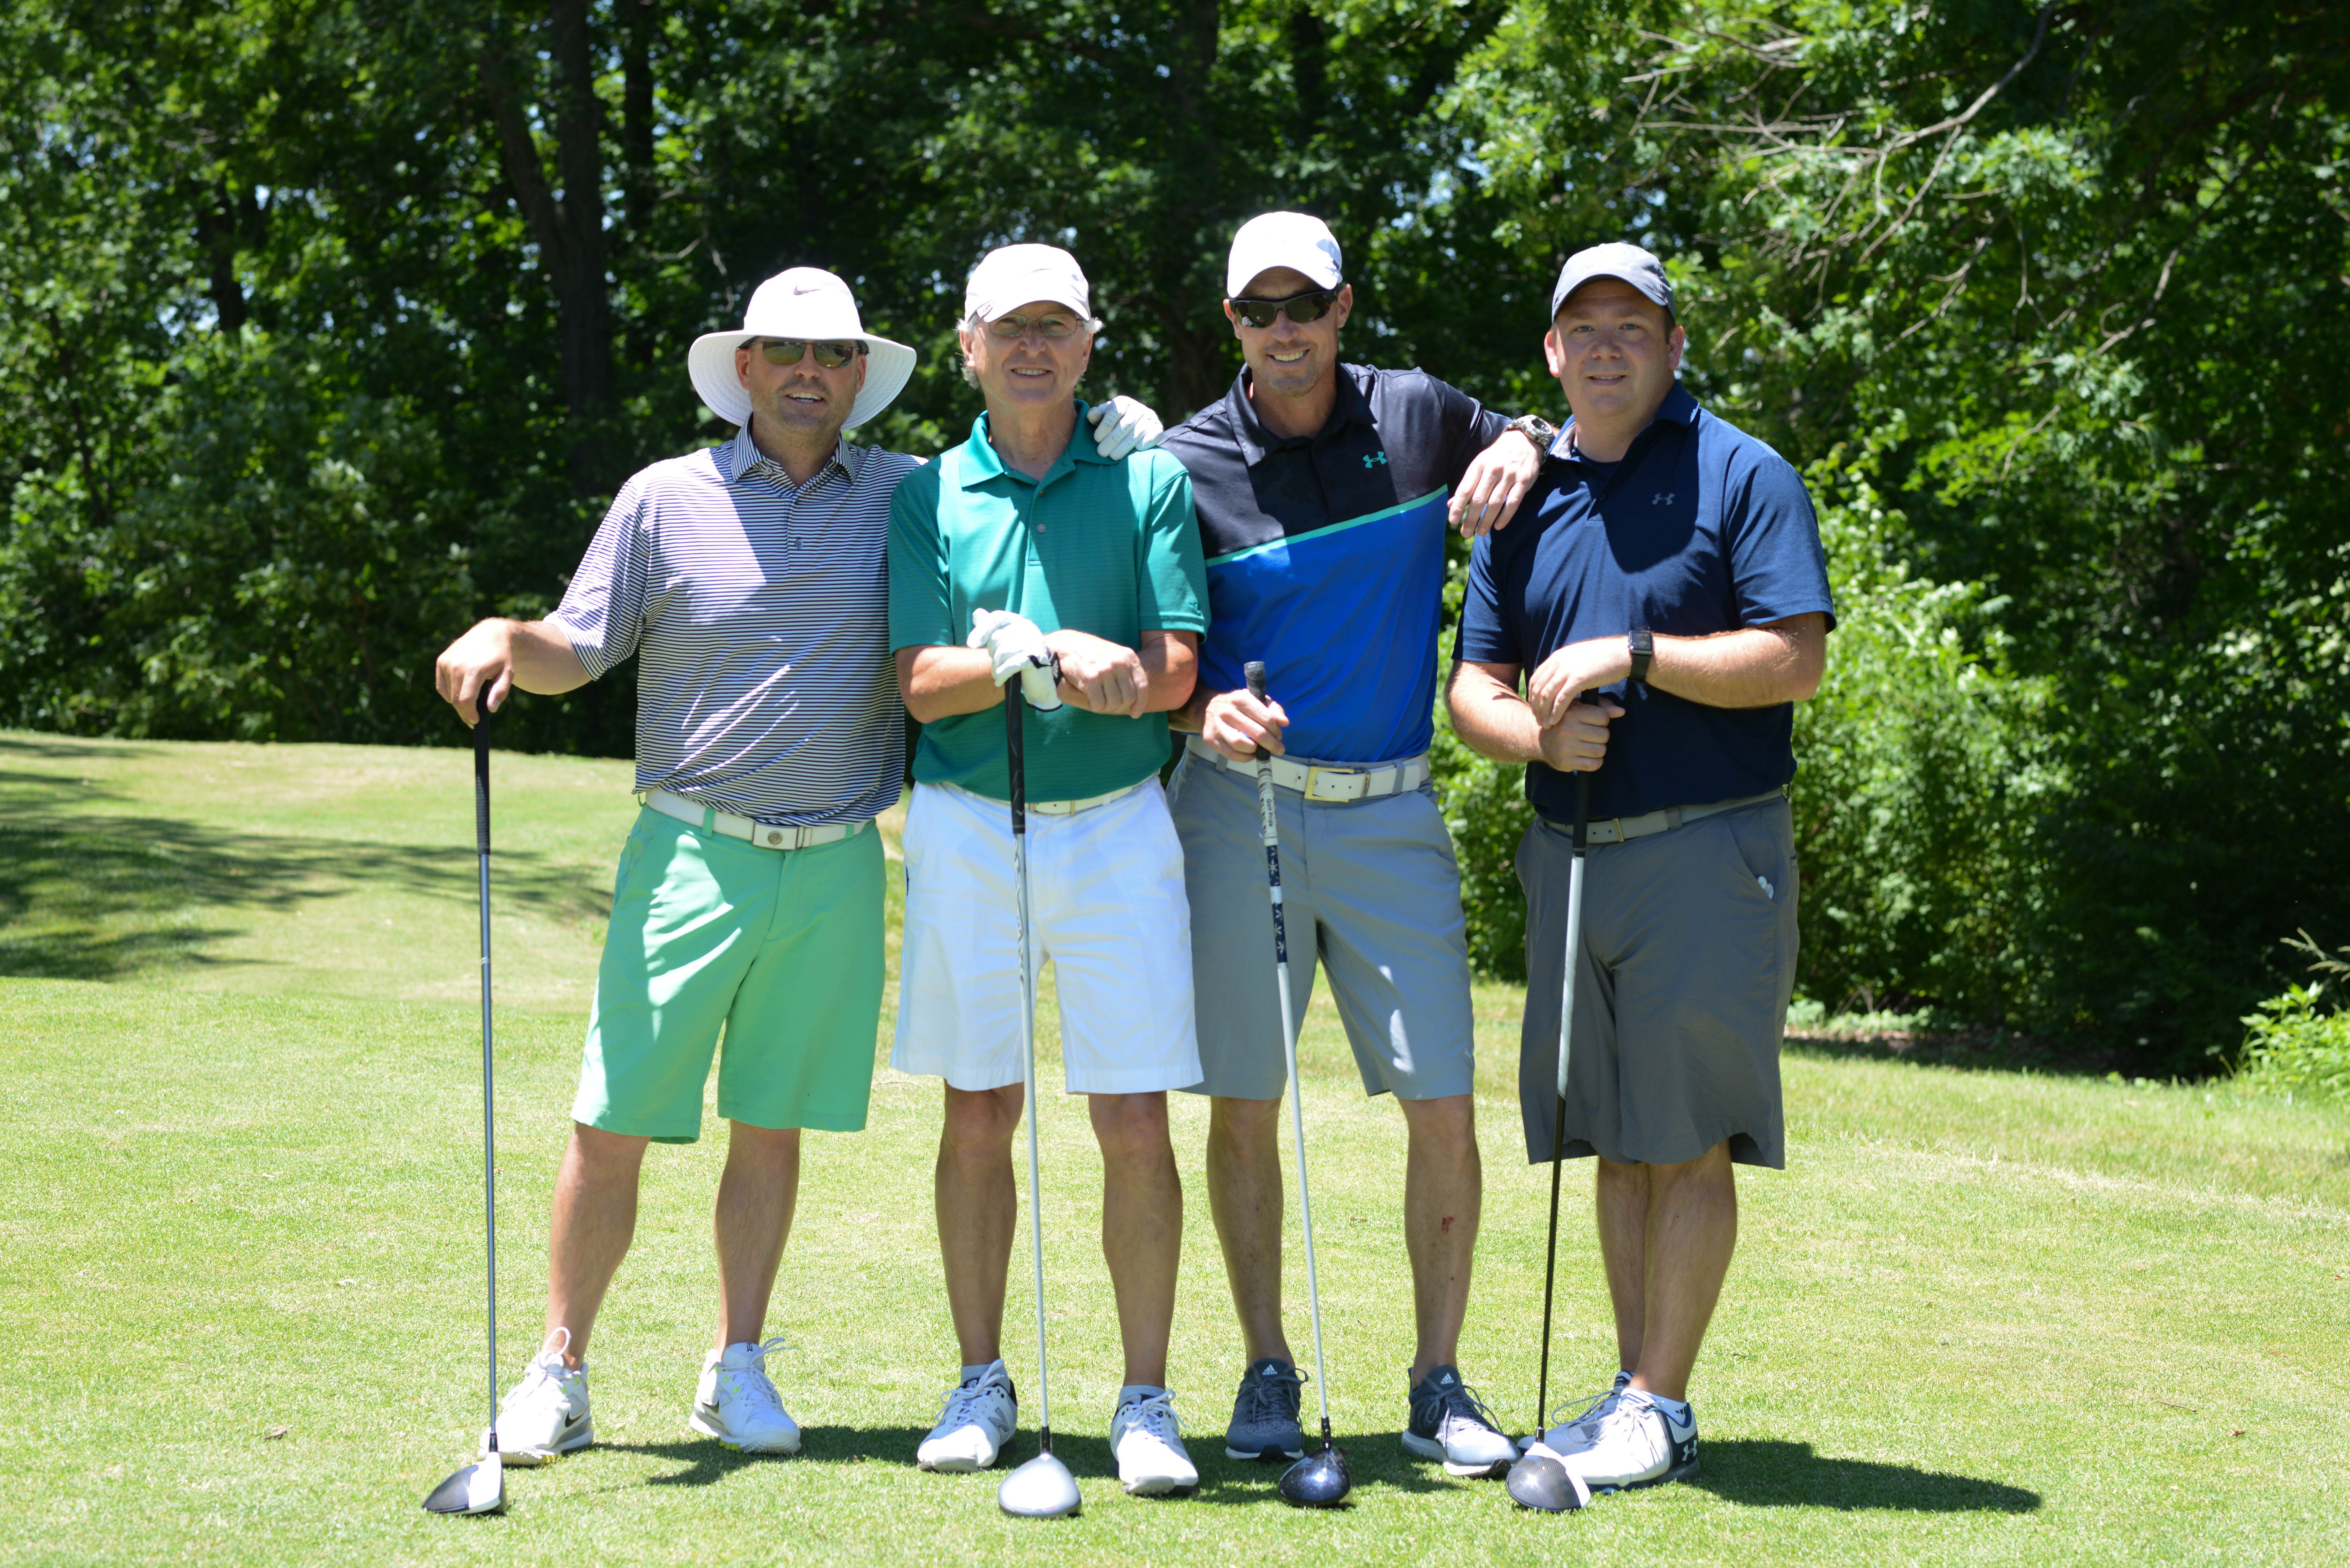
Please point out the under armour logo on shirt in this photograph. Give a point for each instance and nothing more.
(1661, 498)
(1376, 459)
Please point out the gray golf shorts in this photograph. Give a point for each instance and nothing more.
(1370, 893)
(1681, 992)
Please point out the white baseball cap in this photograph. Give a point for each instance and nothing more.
(1625, 263)
(1012, 276)
(808, 303)
(1295, 240)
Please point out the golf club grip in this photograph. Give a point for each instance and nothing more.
(1014, 757)
(482, 781)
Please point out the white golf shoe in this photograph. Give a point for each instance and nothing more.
(978, 1421)
(544, 1416)
(1579, 1426)
(1151, 1458)
(737, 1403)
(1635, 1444)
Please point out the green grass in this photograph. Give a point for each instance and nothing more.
(1983, 1317)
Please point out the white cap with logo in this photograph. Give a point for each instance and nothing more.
(806, 303)
(1625, 263)
(1298, 241)
(1012, 276)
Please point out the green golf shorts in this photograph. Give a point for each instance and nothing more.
(780, 950)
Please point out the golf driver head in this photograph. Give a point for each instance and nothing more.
(1317, 1480)
(1041, 1488)
(1538, 1480)
(477, 1488)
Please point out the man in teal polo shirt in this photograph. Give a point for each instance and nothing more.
(1020, 552)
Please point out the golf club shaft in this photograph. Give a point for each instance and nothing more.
(1269, 822)
(489, 1097)
(1558, 1118)
(1015, 767)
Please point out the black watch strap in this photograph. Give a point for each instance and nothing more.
(1642, 643)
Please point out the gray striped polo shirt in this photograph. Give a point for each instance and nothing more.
(759, 611)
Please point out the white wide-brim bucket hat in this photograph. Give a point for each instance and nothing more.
(809, 303)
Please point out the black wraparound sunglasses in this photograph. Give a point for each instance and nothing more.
(831, 355)
(1311, 306)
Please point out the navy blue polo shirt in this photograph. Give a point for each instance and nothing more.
(1325, 554)
(1700, 529)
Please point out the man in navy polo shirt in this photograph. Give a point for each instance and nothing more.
(1671, 565)
(1323, 492)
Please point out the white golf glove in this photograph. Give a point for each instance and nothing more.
(1122, 425)
(1014, 646)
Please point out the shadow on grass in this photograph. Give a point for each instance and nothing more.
(1762, 1473)
(1978, 1050)
(1374, 1460)
(106, 897)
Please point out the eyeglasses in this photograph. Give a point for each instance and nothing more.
(1054, 328)
(1311, 306)
(831, 355)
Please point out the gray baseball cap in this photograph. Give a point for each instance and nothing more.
(1626, 263)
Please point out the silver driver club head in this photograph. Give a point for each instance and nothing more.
(1540, 1482)
(477, 1488)
(1041, 1488)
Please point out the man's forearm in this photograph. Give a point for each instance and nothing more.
(1491, 718)
(1172, 660)
(1755, 666)
(545, 662)
(939, 683)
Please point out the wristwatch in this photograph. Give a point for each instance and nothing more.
(1535, 429)
(1642, 642)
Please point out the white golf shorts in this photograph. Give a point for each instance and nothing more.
(1108, 912)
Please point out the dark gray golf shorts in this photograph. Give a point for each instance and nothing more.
(1369, 889)
(1681, 993)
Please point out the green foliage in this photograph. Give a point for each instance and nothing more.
(1485, 809)
(327, 325)
(1923, 772)
(2298, 1043)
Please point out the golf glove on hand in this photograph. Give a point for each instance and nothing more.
(1122, 425)
(1014, 646)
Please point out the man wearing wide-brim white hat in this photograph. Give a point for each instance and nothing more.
(748, 579)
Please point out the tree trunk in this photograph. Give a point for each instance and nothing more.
(570, 227)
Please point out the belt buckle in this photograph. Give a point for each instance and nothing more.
(775, 838)
(1354, 777)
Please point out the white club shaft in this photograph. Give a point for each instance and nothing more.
(1573, 962)
(1028, 1093)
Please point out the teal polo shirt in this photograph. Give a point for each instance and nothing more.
(1108, 548)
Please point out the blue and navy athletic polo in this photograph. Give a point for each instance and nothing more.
(1325, 554)
(1702, 528)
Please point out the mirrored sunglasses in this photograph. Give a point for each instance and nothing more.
(1311, 306)
(831, 355)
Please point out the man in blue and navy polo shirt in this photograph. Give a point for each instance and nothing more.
(1670, 563)
(1323, 492)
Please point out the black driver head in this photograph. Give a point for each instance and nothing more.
(1317, 1480)
(1540, 1482)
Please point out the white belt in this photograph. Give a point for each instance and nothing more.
(1059, 807)
(759, 835)
(1325, 781)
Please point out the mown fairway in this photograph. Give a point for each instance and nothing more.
(1982, 1318)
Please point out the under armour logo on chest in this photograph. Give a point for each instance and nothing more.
(1376, 459)
(1661, 498)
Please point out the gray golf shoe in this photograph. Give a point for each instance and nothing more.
(1448, 1422)
(1264, 1413)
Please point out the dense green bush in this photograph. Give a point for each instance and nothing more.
(2298, 1043)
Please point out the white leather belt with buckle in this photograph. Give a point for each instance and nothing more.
(759, 835)
(1058, 807)
(1325, 781)
(1616, 829)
